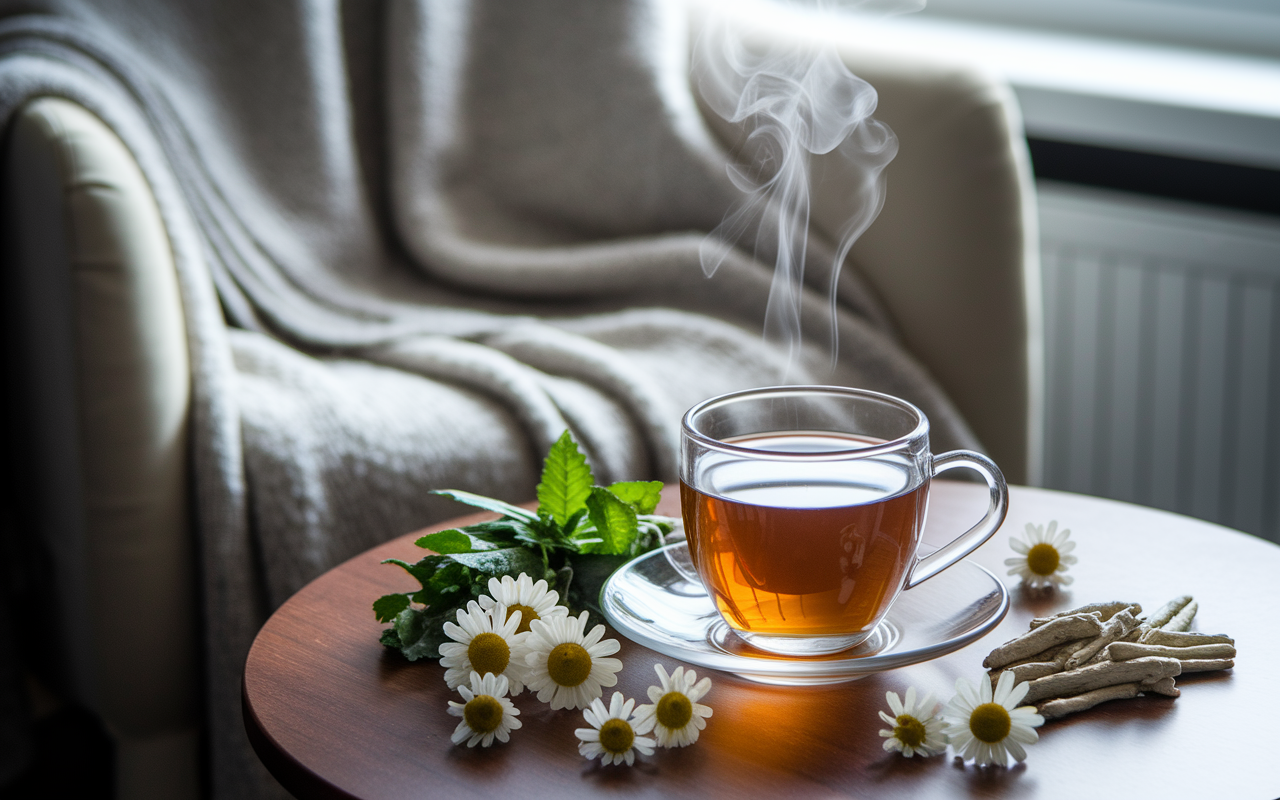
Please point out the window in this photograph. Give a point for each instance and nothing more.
(1249, 27)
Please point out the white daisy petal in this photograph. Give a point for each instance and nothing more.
(1016, 693)
(456, 656)
(667, 722)
(965, 691)
(612, 736)
(1031, 552)
(1004, 685)
(895, 705)
(1016, 750)
(914, 726)
(1023, 735)
(587, 675)
(968, 725)
(489, 694)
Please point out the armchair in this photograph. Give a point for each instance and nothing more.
(99, 381)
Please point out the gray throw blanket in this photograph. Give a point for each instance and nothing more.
(416, 241)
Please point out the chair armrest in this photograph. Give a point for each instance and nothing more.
(95, 300)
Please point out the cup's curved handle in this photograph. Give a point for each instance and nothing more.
(970, 540)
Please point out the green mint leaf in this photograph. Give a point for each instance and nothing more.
(643, 496)
(447, 543)
(421, 633)
(501, 532)
(441, 591)
(423, 570)
(507, 561)
(614, 520)
(664, 524)
(566, 480)
(571, 526)
(389, 606)
(589, 574)
(488, 504)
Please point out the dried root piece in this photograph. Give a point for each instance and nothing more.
(1182, 620)
(1054, 632)
(1104, 651)
(1183, 638)
(1206, 664)
(1123, 623)
(1168, 611)
(1124, 651)
(1056, 709)
(1106, 673)
(1105, 611)
(1027, 671)
(1164, 686)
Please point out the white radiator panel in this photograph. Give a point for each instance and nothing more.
(1162, 324)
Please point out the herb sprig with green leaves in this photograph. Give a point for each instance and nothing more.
(578, 536)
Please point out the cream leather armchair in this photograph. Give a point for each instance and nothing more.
(97, 372)
(99, 383)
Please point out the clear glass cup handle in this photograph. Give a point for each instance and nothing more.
(970, 540)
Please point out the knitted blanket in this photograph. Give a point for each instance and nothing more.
(415, 242)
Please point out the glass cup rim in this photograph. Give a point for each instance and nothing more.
(889, 446)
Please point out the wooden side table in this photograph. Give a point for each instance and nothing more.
(334, 714)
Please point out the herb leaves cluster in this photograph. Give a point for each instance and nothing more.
(579, 534)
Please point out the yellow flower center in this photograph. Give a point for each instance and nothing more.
(674, 711)
(569, 664)
(482, 713)
(1043, 559)
(527, 615)
(489, 652)
(909, 730)
(990, 723)
(616, 736)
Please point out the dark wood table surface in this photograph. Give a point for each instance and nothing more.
(334, 714)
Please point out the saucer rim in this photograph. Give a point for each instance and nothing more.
(773, 667)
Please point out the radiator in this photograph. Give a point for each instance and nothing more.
(1162, 331)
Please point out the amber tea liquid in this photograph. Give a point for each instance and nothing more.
(819, 548)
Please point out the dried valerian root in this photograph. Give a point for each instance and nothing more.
(1103, 610)
(1113, 629)
(1107, 673)
(1123, 651)
(1054, 632)
(1161, 616)
(1183, 638)
(1055, 709)
(1206, 664)
(1105, 651)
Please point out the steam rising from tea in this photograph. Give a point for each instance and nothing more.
(794, 104)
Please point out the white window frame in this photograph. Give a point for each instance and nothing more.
(1250, 27)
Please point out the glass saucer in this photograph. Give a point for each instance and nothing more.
(658, 601)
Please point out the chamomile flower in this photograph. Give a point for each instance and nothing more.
(567, 668)
(487, 714)
(1044, 557)
(914, 727)
(988, 726)
(614, 732)
(532, 600)
(481, 644)
(675, 716)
